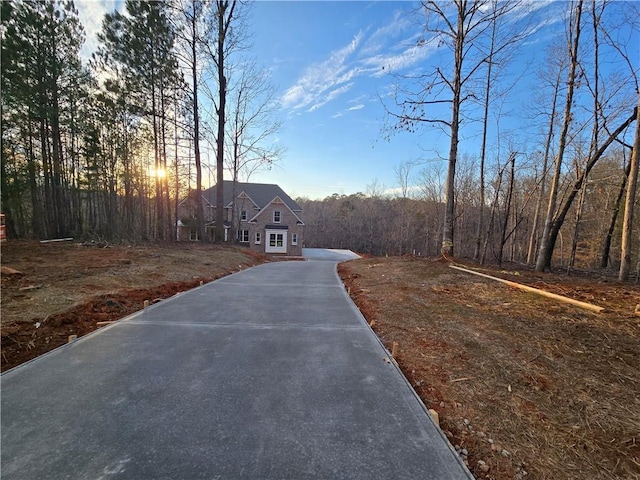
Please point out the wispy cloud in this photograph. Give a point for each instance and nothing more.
(394, 47)
(380, 38)
(324, 81)
(330, 96)
(383, 64)
(360, 106)
(371, 53)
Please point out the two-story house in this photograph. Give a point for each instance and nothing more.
(261, 216)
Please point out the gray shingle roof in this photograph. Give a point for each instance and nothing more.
(260, 193)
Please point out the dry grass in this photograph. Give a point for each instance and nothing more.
(66, 288)
(555, 386)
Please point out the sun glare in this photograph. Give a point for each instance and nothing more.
(158, 173)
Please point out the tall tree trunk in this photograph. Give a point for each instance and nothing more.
(196, 123)
(625, 255)
(492, 215)
(176, 171)
(224, 23)
(46, 171)
(507, 213)
(533, 239)
(564, 210)
(166, 222)
(576, 228)
(548, 238)
(449, 212)
(36, 219)
(606, 246)
(594, 134)
(483, 153)
(54, 119)
(156, 164)
(129, 200)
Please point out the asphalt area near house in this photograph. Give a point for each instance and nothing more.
(268, 373)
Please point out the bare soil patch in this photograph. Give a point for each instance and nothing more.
(525, 387)
(65, 289)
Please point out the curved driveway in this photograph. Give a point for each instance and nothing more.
(270, 373)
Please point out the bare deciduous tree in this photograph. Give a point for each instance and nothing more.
(625, 260)
(460, 26)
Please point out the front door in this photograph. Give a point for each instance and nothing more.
(276, 241)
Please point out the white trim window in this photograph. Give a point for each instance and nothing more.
(258, 239)
(294, 239)
(275, 241)
(277, 216)
(243, 236)
(243, 215)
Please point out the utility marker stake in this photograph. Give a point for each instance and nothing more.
(435, 416)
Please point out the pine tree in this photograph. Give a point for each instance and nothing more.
(140, 46)
(41, 73)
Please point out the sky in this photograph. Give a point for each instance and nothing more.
(333, 64)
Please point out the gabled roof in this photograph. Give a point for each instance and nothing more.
(260, 193)
(278, 201)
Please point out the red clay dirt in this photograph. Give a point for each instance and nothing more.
(525, 387)
(63, 289)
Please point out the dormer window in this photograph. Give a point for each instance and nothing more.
(276, 216)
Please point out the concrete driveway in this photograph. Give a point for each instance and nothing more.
(271, 373)
(329, 254)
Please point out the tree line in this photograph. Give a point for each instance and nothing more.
(569, 197)
(582, 109)
(410, 220)
(107, 147)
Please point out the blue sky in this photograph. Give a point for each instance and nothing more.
(333, 62)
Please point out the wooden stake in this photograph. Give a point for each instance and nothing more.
(463, 379)
(201, 282)
(394, 349)
(588, 306)
(105, 323)
(72, 338)
(435, 416)
(57, 240)
(146, 303)
(372, 323)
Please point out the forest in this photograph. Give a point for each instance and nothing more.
(107, 147)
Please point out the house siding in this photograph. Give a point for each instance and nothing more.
(263, 221)
(258, 220)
